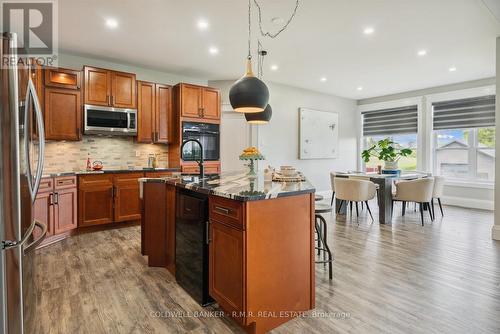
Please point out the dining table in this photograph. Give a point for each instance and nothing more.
(384, 192)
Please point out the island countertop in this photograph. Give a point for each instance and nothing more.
(237, 185)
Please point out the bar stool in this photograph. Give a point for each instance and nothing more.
(321, 231)
(318, 198)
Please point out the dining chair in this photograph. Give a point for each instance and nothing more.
(332, 181)
(350, 190)
(437, 193)
(418, 191)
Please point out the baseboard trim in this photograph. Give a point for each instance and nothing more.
(468, 203)
(495, 232)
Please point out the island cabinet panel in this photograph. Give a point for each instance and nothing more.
(97, 86)
(262, 259)
(95, 200)
(226, 267)
(63, 120)
(127, 201)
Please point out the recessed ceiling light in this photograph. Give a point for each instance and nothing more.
(360, 88)
(323, 79)
(452, 69)
(369, 30)
(111, 23)
(274, 67)
(213, 50)
(422, 52)
(202, 24)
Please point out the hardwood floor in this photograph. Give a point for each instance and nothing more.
(405, 278)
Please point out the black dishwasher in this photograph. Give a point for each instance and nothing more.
(191, 245)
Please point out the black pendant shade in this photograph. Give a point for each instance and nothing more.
(260, 117)
(249, 94)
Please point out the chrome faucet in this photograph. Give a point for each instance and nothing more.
(200, 162)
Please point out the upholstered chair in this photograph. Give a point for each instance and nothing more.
(437, 193)
(418, 191)
(354, 190)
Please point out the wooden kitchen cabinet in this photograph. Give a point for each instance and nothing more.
(56, 206)
(123, 90)
(95, 199)
(62, 78)
(97, 86)
(211, 103)
(226, 267)
(154, 108)
(63, 119)
(127, 201)
(109, 88)
(198, 102)
(146, 112)
(210, 167)
(162, 114)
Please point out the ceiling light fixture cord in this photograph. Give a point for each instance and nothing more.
(249, 29)
(271, 35)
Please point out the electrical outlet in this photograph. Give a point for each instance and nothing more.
(137, 153)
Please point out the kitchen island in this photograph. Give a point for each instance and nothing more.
(260, 242)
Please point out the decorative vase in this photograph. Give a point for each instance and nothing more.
(391, 165)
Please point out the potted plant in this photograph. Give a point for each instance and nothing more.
(386, 151)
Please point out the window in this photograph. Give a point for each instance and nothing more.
(398, 124)
(464, 139)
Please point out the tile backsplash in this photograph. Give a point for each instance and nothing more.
(114, 152)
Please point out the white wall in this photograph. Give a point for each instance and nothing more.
(496, 227)
(76, 62)
(279, 140)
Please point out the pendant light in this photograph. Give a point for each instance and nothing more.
(262, 117)
(249, 94)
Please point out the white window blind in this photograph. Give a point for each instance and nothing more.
(465, 113)
(390, 121)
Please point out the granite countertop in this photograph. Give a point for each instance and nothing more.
(237, 186)
(112, 171)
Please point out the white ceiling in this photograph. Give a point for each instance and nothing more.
(325, 39)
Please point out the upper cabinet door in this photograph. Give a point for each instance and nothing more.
(211, 103)
(191, 101)
(146, 112)
(62, 78)
(62, 114)
(163, 110)
(123, 90)
(97, 86)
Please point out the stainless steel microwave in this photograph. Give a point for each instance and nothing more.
(110, 121)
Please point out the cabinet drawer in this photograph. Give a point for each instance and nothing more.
(226, 211)
(194, 169)
(158, 174)
(65, 182)
(190, 207)
(46, 185)
(62, 78)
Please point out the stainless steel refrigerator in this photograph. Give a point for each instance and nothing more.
(21, 153)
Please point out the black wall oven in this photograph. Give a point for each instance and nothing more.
(209, 136)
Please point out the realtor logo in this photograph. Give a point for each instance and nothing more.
(35, 24)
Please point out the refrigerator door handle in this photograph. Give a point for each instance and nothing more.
(29, 248)
(31, 94)
(9, 244)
